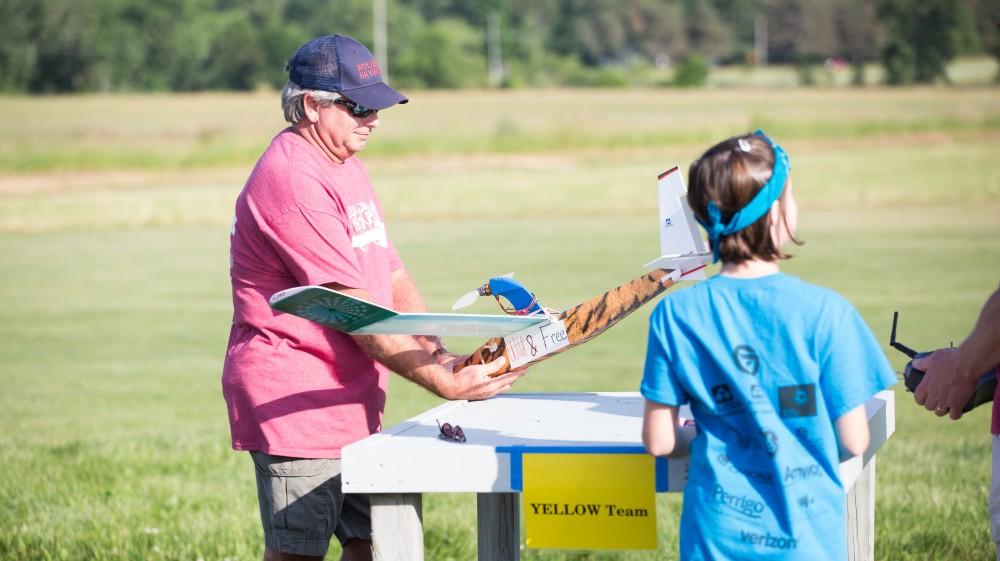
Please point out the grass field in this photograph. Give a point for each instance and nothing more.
(114, 295)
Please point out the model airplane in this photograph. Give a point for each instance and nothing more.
(529, 332)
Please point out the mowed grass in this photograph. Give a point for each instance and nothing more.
(181, 132)
(115, 299)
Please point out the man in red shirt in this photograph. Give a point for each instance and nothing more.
(298, 392)
(950, 378)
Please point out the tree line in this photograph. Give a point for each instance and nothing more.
(193, 45)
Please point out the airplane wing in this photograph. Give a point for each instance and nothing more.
(360, 317)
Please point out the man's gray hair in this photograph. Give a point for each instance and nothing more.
(292, 104)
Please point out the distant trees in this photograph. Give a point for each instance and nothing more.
(801, 29)
(921, 38)
(858, 34)
(706, 33)
(986, 18)
(442, 54)
(189, 45)
(924, 35)
(18, 55)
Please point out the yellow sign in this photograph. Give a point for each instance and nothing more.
(589, 501)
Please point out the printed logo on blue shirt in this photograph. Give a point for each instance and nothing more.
(798, 473)
(751, 474)
(742, 504)
(728, 402)
(771, 441)
(767, 540)
(797, 401)
(746, 359)
(761, 440)
(806, 439)
(722, 393)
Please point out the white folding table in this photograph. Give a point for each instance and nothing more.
(399, 464)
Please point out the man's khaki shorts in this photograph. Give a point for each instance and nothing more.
(302, 506)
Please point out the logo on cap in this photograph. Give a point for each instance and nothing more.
(367, 70)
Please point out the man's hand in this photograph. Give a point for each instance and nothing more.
(945, 388)
(473, 382)
(951, 375)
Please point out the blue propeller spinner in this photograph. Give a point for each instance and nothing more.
(514, 297)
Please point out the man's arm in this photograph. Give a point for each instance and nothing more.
(950, 375)
(408, 357)
(406, 298)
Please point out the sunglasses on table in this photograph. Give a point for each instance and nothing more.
(448, 432)
(355, 109)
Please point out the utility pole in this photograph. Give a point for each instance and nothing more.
(760, 40)
(378, 31)
(493, 56)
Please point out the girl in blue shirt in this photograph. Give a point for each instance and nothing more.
(776, 372)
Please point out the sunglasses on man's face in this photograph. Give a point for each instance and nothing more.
(448, 432)
(355, 109)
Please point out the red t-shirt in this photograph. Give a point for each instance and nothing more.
(292, 387)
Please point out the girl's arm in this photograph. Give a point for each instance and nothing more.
(661, 433)
(852, 432)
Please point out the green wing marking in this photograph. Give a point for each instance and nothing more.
(330, 307)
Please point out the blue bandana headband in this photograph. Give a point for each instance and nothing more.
(756, 208)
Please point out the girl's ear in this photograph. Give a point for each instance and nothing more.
(778, 230)
(775, 211)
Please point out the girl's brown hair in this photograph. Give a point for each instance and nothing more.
(731, 173)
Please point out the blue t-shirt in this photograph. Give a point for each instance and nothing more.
(767, 364)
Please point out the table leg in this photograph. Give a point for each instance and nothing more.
(397, 526)
(861, 516)
(499, 521)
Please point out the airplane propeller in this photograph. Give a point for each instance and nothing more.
(466, 300)
(470, 297)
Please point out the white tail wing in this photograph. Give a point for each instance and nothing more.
(681, 244)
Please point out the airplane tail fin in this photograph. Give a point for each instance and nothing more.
(681, 244)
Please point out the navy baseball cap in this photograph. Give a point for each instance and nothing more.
(338, 63)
